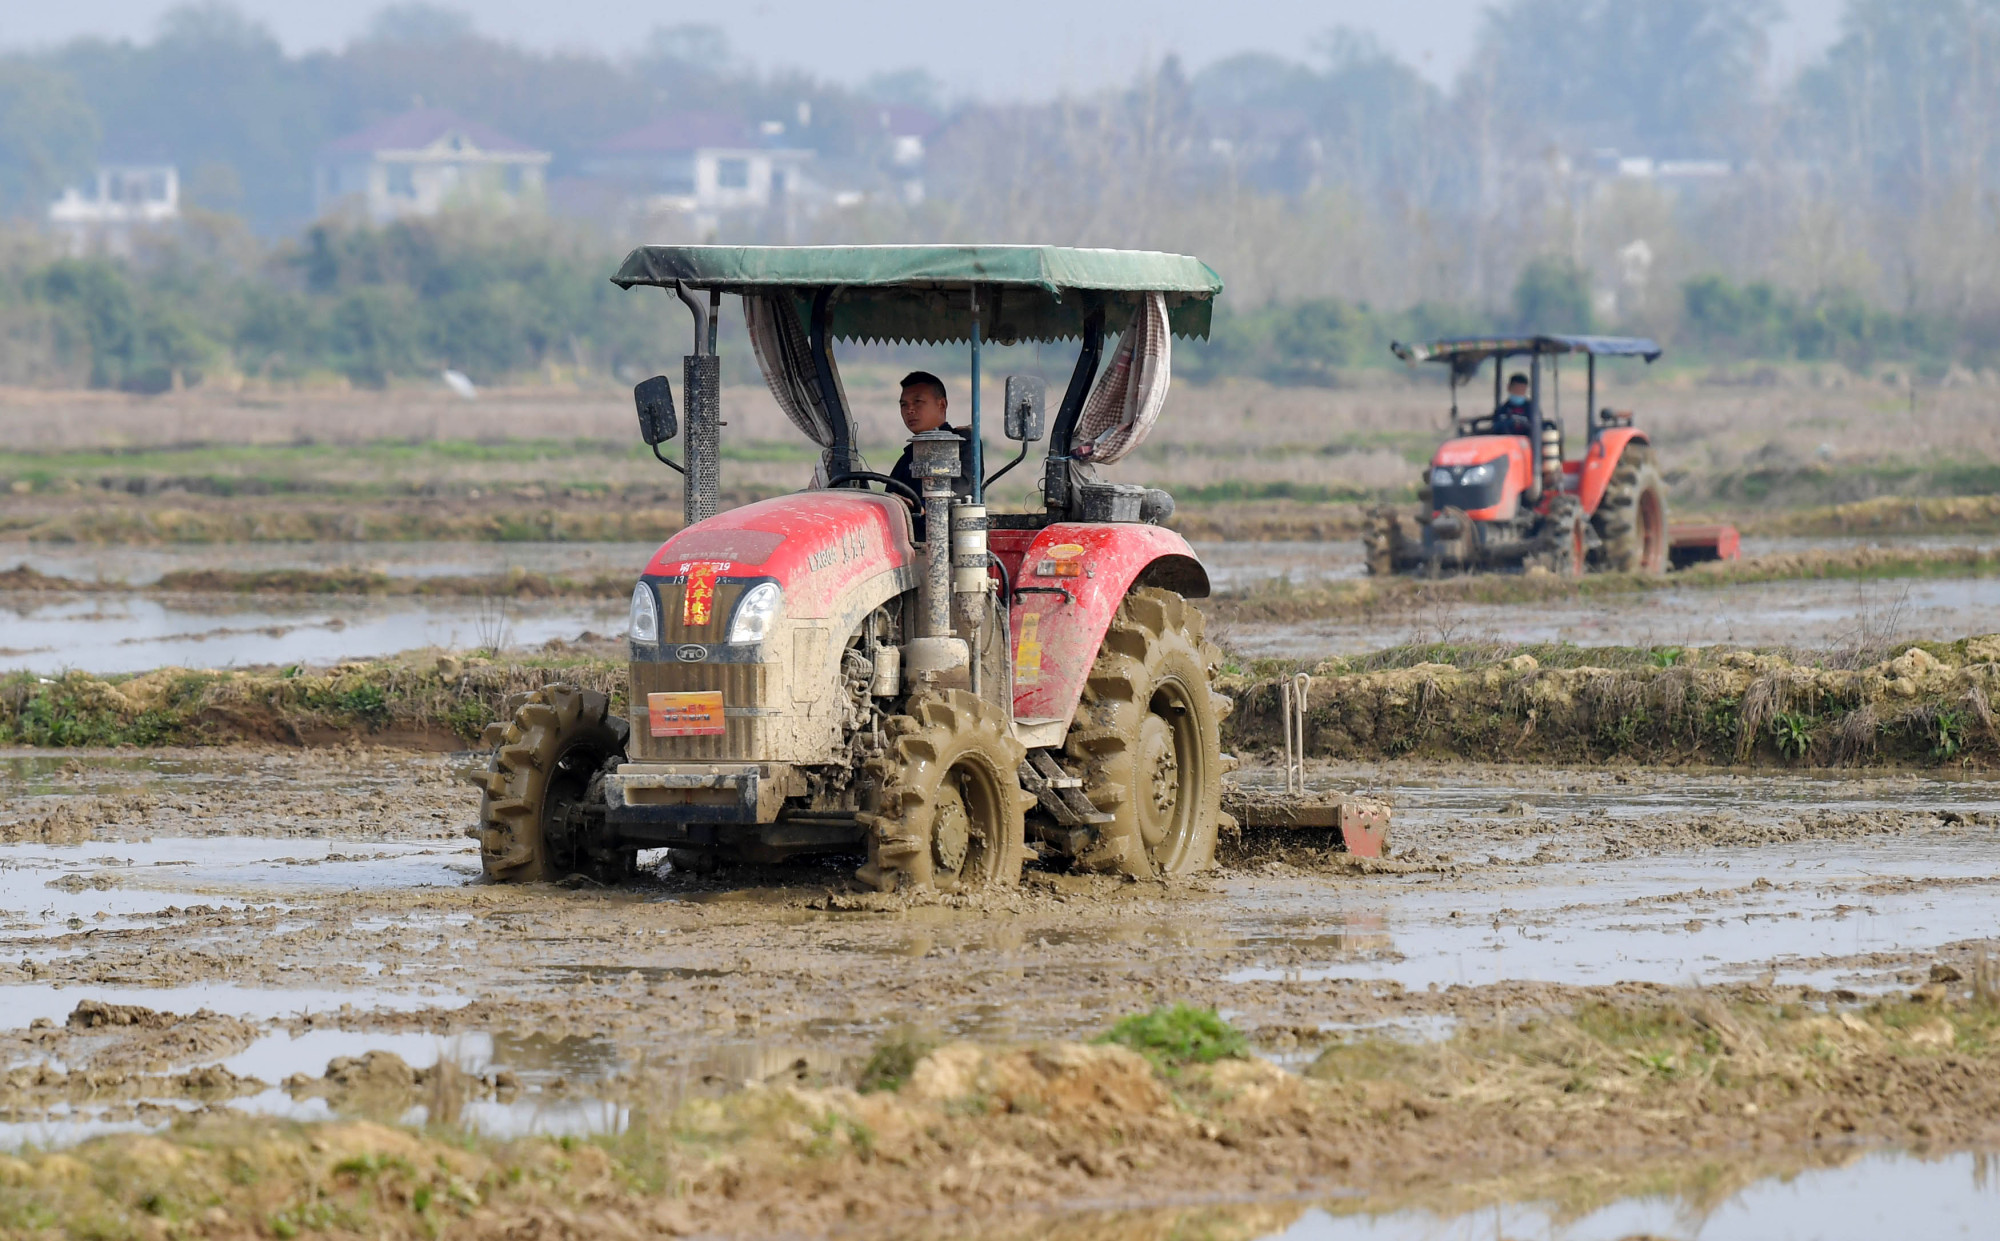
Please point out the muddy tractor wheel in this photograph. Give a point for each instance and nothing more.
(1382, 540)
(1566, 555)
(543, 794)
(1147, 738)
(1631, 519)
(949, 814)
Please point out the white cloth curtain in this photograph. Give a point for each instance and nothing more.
(784, 355)
(1127, 398)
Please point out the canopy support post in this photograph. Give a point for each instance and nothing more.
(1055, 477)
(1533, 492)
(841, 452)
(1590, 400)
(701, 390)
(978, 479)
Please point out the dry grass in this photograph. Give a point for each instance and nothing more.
(1806, 443)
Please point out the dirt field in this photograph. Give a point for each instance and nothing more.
(1598, 991)
(276, 916)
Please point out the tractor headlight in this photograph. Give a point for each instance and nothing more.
(1481, 473)
(756, 612)
(645, 624)
(1442, 476)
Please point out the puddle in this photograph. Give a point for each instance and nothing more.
(1666, 920)
(1874, 1196)
(138, 566)
(1800, 614)
(109, 633)
(23, 1005)
(554, 1086)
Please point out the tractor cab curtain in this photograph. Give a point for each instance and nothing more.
(1126, 400)
(784, 355)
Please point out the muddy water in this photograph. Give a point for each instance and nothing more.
(138, 566)
(328, 901)
(1870, 1198)
(109, 633)
(1242, 566)
(1808, 614)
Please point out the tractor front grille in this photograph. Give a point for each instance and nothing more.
(1470, 498)
(745, 689)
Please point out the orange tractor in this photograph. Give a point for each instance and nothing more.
(1501, 495)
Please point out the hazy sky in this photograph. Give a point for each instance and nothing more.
(1037, 47)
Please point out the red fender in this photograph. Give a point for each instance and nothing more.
(1068, 579)
(1600, 461)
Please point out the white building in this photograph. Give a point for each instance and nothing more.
(423, 161)
(705, 164)
(122, 199)
(908, 131)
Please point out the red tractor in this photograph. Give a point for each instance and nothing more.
(1502, 496)
(884, 669)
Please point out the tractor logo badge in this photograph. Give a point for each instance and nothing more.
(698, 596)
(691, 653)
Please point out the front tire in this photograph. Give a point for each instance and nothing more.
(949, 814)
(542, 797)
(1631, 518)
(1148, 739)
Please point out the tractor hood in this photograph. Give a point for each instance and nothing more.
(814, 544)
(1477, 449)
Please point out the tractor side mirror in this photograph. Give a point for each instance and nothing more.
(1024, 413)
(655, 399)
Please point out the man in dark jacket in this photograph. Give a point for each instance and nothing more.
(1516, 414)
(924, 407)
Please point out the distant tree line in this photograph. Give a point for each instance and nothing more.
(507, 299)
(1850, 214)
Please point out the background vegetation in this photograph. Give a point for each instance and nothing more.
(1611, 166)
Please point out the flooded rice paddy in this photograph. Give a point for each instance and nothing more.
(1865, 1199)
(326, 905)
(112, 632)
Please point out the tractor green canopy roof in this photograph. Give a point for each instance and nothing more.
(1465, 353)
(923, 293)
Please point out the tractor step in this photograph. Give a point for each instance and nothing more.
(1688, 545)
(1059, 793)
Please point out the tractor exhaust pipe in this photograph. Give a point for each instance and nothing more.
(701, 387)
(935, 656)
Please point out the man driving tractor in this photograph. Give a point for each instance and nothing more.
(924, 407)
(1516, 414)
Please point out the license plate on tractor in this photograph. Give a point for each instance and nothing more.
(685, 715)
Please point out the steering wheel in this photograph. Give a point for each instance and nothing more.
(901, 490)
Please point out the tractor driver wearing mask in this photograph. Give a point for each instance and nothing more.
(1516, 414)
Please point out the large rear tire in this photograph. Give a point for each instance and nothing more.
(1631, 518)
(1147, 738)
(542, 796)
(949, 816)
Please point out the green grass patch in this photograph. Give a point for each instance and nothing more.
(1179, 1035)
(893, 1060)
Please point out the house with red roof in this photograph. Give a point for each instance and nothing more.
(423, 161)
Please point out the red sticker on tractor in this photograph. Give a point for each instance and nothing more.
(685, 715)
(698, 596)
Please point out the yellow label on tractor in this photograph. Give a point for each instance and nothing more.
(1028, 654)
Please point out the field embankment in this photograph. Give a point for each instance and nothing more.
(1918, 704)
